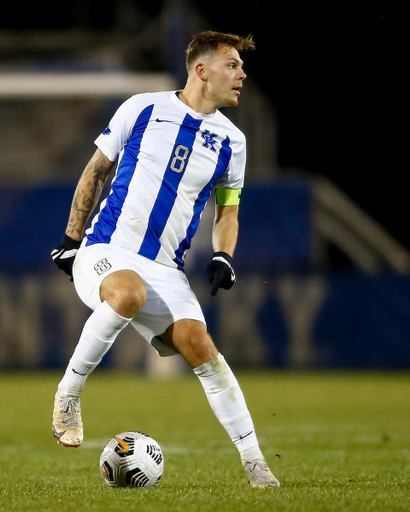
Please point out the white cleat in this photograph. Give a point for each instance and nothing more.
(259, 475)
(67, 425)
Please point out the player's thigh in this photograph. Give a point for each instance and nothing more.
(92, 266)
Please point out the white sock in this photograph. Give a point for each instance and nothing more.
(228, 403)
(99, 333)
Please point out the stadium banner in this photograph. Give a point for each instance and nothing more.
(281, 313)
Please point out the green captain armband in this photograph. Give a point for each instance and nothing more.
(228, 196)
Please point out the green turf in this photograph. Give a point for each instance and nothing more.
(337, 442)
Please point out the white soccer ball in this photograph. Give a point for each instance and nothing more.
(132, 459)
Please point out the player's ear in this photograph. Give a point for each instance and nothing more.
(200, 70)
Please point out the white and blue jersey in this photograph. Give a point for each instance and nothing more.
(169, 160)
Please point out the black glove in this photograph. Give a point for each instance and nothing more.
(64, 254)
(220, 272)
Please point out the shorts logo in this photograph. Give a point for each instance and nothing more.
(102, 266)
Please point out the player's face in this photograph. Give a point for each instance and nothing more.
(225, 77)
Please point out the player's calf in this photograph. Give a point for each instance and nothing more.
(191, 339)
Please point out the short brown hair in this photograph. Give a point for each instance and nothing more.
(211, 41)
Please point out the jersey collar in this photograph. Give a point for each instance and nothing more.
(180, 104)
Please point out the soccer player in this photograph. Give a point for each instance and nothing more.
(171, 149)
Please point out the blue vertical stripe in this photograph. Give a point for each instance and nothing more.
(221, 167)
(169, 188)
(108, 217)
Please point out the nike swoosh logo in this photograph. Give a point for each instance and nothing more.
(78, 373)
(125, 446)
(244, 436)
(163, 120)
(56, 253)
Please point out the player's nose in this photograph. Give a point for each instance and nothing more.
(242, 75)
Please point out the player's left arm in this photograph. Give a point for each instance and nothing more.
(226, 228)
(224, 238)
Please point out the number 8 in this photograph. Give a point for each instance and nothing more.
(179, 160)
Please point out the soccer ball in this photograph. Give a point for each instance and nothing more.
(132, 459)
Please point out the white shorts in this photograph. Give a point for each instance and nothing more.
(170, 298)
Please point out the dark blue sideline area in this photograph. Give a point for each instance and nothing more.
(359, 321)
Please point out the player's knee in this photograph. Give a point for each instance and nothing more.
(126, 294)
(130, 301)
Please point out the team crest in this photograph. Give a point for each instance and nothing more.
(209, 140)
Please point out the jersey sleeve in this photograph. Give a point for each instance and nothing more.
(233, 177)
(116, 135)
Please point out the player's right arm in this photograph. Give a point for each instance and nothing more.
(92, 181)
(86, 196)
(87, 193)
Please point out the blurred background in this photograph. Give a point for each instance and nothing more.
(323, 260)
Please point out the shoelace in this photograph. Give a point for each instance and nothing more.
(70, 409)
(260, 467)
(249, 465)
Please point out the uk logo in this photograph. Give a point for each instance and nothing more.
(209, 140)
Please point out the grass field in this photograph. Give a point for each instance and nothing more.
(337, 442)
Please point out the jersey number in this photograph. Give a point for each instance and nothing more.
(181, 153)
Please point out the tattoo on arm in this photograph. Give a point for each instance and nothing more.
(87, 193)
